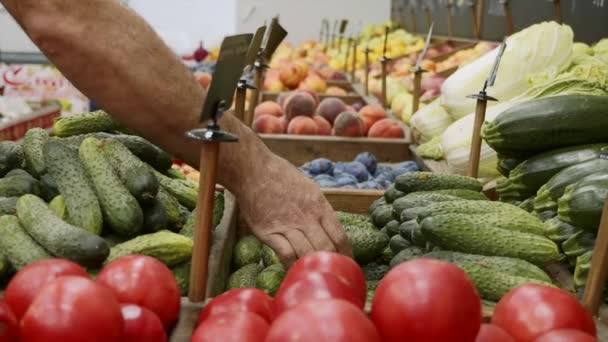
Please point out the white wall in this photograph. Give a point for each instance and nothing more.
(302, 19)
(12, 38)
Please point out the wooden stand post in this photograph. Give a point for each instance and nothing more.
(414, 24)
(347, 56)
(598, 273)
(366, 81)
(383, 63)
(258, 81)
(239, 102)
(479, 17)
(480, 116)
(508, 16)
(450, 20)
(474, 19)
(354, 66)
(417, 90)
(557, 9)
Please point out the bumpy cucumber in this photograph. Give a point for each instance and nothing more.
(11, 157)
(17, 246)
(8, 205)
(33, 146)
(97, 121)
(182, 191)
(57, 206)
(170, 248)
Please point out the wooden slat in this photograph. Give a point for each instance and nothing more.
(352, 200)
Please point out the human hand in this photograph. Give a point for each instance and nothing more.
(288, 212)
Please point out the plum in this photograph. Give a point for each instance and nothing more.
(384, 184)
(369, 160)
(346, 179)
(353, 168)
(327, 184)
(405, 167)
(320, 166)
(385, 172)
(370, 185)
(349, 187)
(324, 177)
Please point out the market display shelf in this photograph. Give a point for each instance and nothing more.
(349, 99)
(42, 117)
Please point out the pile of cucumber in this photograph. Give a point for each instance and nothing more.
(91, 194)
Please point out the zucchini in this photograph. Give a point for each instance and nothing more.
(469, 237)
(137, 177)
(547, 196)
(17, 246)
(58, 207)
(11, 157)
(581, 270)
(19, 185)
(558, 230)
(578, 244)
(425, 181)
(170, 248)
(61, 239)
(48, 187)
(91, 122)
(33, 146)
(506, 164)
(8, 205)
(73, 183)
(120, 209)
(527, 205)
(547, 215)
(182, 191)
(391, 194)
(525, 180)
(543, 124)
(582, 202)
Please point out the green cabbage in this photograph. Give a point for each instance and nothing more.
(430, 121)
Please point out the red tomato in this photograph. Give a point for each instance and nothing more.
(313, 286)
(236, 326)
(142, 325)
(73, 309)
(426, 300)
(566, 335)
(333, 263)
(9, 326)
(530, 310)
(26, 284)
(328, 320)
(145, 281)
(246, 299)
(493, 333)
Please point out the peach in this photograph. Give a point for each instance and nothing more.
(273, 85)
(268, 107)
(291, 74)
(370, 114)
(314, 83)
(299, 104)
(335, 91)
(203, 78)
(311, 93)
(350, 108)
(323, 126)
(348, 124)
(267, 123)
(282, 97)
(302, 125)
(386, 128)
(330, 108)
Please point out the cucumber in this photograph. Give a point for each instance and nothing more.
(425, 181)
(61, 239)
(469, 207)
(91, 122)
(374, 271)
(382, 215)
(169, 248)
(218, 211)
(17, 246)
(73, 183)
(547, 196)
(182, 191)
(8, 205)
(181, 273)
(558, 230)
(420, 200)
(460, 193)
(171, 206)
(18, 185)
(410, 231)
(176, 174)
(58, 208)
(392, 228)
(543, 124)
(398, 243)
(517, 223)
(380, 201)
(48, 187)
(155, 217)
(525, 180)
(5, 269)
(120, 209)
(137, 177)
(582, 202)
(33, 146)
(11, 157)
(465, 237)
(391, 194)
(405, 255)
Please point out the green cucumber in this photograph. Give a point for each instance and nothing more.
(425, 181)
(517, 223)
(57, 206)
(8, 205)
(170, 248)
(398, 243)
(182, 191)
(391, 194)
(19, 185)
(181, 273)
(11, 157)
(91, 122)
(382, 215)
(380, 201)
(420, 200)
(469, 207)
(582, 202)
(33, 146)
(61, 239)
(48, 187)
(173, 210)
(17, 246)
(176, 174)
(121, 210)
(73, 183)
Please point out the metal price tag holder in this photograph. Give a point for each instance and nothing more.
(333, 34)
(349, 43)
(480, 113)
(343, 25)
(354, 65)
(417, 70)
(508, 16)
(229, 67)
(243, 85)
(450, 6)
(384, 63)
(273, 36)
(367, 66)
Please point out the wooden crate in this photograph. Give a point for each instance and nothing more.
(42, 117)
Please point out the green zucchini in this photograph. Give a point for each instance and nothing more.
(33, 145)
(91, 122)
(61, 239)
(506, 164)
(470, 237)
(543, 124)
(525, 180)
(547, 196)
(8, 205)
(120, 209)
(137, 177)
(582, 202)
(11, 157)
(17, 246)
(170, 248)
(581, 270)
(425, 181)
(72, 180)
(578, 244)
(527, 205)
(558, 230)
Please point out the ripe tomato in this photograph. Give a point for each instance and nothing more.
(493, 333)
(245, 299)
(334, 263)
(426, 300)
(566, 335)
(145, 281)
(141, 325)
(313, 286)
(530, 310)
(26, 284)
(9, 326)
(327, 320)
(236, 326)
(73, 309)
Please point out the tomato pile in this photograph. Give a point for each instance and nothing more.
(134, 298)
(322, 298)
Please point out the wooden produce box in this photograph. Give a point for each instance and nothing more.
(42, 117)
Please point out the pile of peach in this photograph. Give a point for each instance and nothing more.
(298, 75)
(300, 112)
